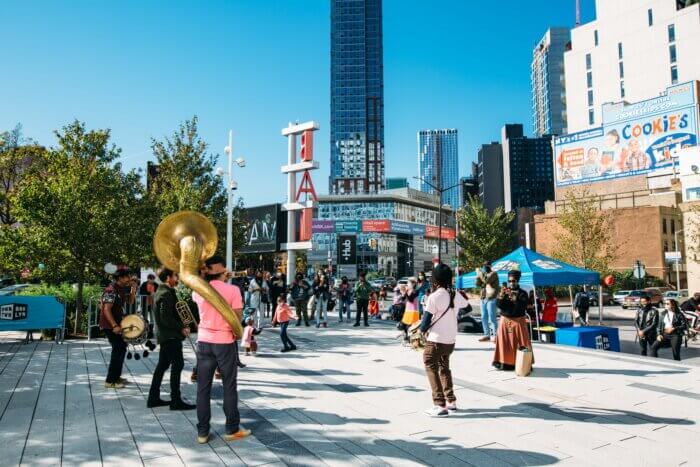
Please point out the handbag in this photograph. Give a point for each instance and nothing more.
(523, 361)
(331, 304)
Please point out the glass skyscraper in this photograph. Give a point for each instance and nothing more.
(357, 97)
(548, 87)
(438, 164)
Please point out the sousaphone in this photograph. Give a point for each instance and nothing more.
(182, 242)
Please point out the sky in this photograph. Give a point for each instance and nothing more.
(140, 68)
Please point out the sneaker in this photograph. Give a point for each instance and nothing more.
(123, 381)
(114, 385)
(240, 434)
(437, 411)
(451, 407)
(485, 339)
(203, 439)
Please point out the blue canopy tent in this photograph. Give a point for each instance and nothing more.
(537, 270)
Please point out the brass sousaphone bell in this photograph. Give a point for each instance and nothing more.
(182, 242)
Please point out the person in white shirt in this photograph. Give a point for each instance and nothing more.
(439, 324)
(257, 289)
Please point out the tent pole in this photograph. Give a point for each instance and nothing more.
(600, 305)
(571, 297)
(537, 317)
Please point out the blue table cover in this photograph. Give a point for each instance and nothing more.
(591, 337)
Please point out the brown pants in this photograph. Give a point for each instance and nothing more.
(436, 359)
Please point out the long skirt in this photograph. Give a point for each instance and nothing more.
(512, 334)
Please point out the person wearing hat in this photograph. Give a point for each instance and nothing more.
(439, 325)
(114, 297)
(487, 279)
(512, 330)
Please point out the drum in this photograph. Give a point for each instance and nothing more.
(134, 329)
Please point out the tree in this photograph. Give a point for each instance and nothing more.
(81, 210)
(587, 236)
(186, 180)
(483, 235)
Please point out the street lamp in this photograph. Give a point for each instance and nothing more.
(230, 186)
(678, 259)
(440, 192)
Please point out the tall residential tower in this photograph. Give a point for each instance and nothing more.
(438, 164)
(548, 88)
(357, 97)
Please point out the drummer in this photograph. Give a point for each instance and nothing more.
(111, 314)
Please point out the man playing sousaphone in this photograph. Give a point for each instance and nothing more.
(216, 346)
(114, 298)
(171, 333)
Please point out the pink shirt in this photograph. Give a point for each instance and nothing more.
(283, 313)
(213, 328)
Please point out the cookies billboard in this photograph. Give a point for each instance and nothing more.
(635, 139)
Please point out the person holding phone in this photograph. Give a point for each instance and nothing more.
(512, 332)
(487, 279)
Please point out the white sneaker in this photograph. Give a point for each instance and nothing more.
(437, 411)
(451, 408)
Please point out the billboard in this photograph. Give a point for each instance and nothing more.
(376, 225)
(635, 139)
(265, 225)
(347, 249)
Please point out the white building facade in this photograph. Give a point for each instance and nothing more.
(633, 51)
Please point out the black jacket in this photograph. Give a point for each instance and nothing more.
(513, 304)
(679, 323)
(168, 322)
(647, 320)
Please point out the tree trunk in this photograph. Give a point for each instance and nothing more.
(78, 303)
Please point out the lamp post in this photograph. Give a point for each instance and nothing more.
(230, 186)
(678, 259)
(440, 192)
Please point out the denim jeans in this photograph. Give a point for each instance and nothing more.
(321, 310)
(286, 341)
(488, 317)
(209, 356)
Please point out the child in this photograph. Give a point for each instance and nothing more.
(374, 306)
(399, 304)
(411, 314)
(282, 315)
(249, 333)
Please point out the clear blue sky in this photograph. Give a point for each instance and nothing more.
(140, 68)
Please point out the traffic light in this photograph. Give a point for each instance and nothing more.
(307, 146)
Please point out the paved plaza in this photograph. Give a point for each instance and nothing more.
(354, 396)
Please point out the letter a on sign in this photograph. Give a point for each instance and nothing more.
(307, 146)
(306, 186)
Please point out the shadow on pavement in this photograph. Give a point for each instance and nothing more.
(549, 372)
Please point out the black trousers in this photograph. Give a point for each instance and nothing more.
(209, 356)
(646, 341)
(362, 304)
(116, 359)
(170, 356)
(674, 341)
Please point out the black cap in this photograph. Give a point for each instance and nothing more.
(515, 273)
(216, 259)
(121, 273)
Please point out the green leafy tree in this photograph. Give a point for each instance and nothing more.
(81, 210)
(186, 180)
(586, 238)
(483, 235)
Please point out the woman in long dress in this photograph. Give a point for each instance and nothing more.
(512, 327)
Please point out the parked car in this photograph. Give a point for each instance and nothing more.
(13, 289)
(632, 300)
(678, 295)
(377, 284)
(390, 281)
(403, 280)
(593, 298)
(620, 295)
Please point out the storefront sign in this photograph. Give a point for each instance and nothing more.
(347, 226)
(347, 249)
(322, 226)
(433, 231)
(401, 227)
(372, 225)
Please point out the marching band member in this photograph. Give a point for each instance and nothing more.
(216, 346)
(512, 332)
(111, 313)
(171, 333)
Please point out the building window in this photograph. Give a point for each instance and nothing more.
(672, 53)
(673, 226)
(589, 79)
(591, 117)
(674, 74)
(595, 37)
(665, 245)
(663, 226)
(588, 61)
(650, 17)
(590, 98)
(619, 50)
(622, 70)
(622, 89)
(671, 33)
